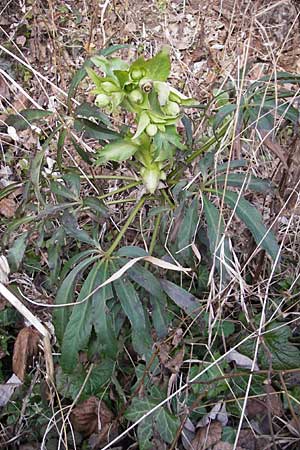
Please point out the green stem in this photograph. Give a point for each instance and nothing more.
(109, 177)
(155, 233)
(211, 141)
(119, 190)
(167, 198)
(121, 200)
(154, 237)
(125, 227)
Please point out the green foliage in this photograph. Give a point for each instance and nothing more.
(161, 422)
(141, 88)
(277, 350)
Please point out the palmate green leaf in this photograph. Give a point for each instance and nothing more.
(215, 231)
(158, 68)
(166, 142)
(16, 252)
(133, 308)
(65, 293)
(117, 151)
(69, 385)
(80, 324)
(101, 315)
(145, 434)
(284, 355)
(26, 117)
(160, 421)
(253, 220)
(138, 408)
(81, 73)
(182, 298)
(238, 180)
(166, 424)
(143, 122)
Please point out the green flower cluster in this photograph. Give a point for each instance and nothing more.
(141, 88)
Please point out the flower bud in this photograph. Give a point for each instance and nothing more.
(172, 109)
(109, 87)
(146, 85)
(136, 96)
(151, 129)
(136, 74)
(102, 100)
(151, 177)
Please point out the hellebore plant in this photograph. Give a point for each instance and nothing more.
(141, 88)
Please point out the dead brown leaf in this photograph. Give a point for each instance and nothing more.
(207, 437)
(274, 147)
(175, 363)
(93, 416)
(225, 446)
(7, 207)
(4, 88)
(294, 426)
(248, 441)
(258, 407)
(26, 346)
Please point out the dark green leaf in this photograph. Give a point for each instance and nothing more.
(59, 189)
(101, 315)
(253, 220)
(167, 425)
(281, 353)
(188, 302)
(133, 308)
(132, 251)
(215, 231)
(231, 165)
(222, 114)
(60, 145)
(26, 117)
(71, 227)
(65, 294)
(146, 279)
(187, 123)
(89, 111)
(238, 180)
(145, 434)
(206, 163)
(70, 385)
(84, 154)
(138, 408)
(80, 324)
(16, 252)
(92, 130)
(9, 189)
(158, 300)
(97, 205)
(187, 232)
